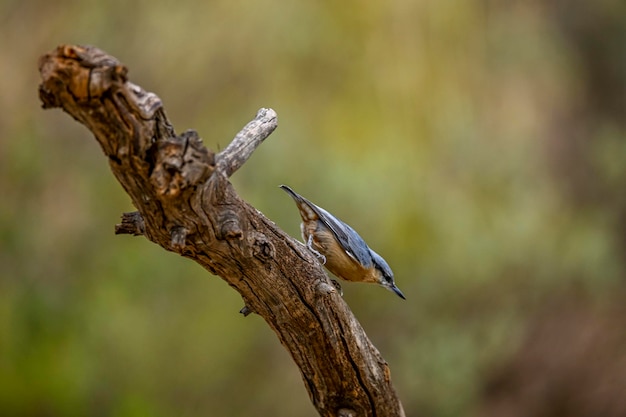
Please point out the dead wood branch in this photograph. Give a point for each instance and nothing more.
(186, 204)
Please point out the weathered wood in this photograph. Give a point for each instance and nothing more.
(187, 205)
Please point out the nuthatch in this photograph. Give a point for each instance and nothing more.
(340, 248)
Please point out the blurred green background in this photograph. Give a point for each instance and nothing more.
(479, 146)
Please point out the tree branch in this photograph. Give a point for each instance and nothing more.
(246, 141)
(187, 205)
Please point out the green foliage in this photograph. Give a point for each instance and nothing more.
(464, 142)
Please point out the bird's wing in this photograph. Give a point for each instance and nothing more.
(350, 240)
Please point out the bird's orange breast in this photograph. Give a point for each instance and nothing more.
(338, 261)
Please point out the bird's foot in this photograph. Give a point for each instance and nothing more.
(315, 252)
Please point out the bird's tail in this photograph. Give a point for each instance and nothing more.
(307, 211)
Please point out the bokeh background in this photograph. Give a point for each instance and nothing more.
(479, 146)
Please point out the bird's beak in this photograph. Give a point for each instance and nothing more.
(397, 291)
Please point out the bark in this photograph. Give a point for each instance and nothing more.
(186, 204)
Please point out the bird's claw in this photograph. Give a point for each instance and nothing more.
(315, 252)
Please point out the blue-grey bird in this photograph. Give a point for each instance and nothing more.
(339, 247)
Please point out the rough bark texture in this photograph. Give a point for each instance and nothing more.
(187, 205)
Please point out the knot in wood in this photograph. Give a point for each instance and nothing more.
(229, 224)
(346, 412)
(145, 103)
(326, 289)
(262, 248)
(179, 163)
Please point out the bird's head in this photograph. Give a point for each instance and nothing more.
(385, 275)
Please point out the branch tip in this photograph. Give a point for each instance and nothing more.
(246, 141)
(246, 311)
(132, 224)
(179, 237)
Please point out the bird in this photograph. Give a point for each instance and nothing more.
(340, 248)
